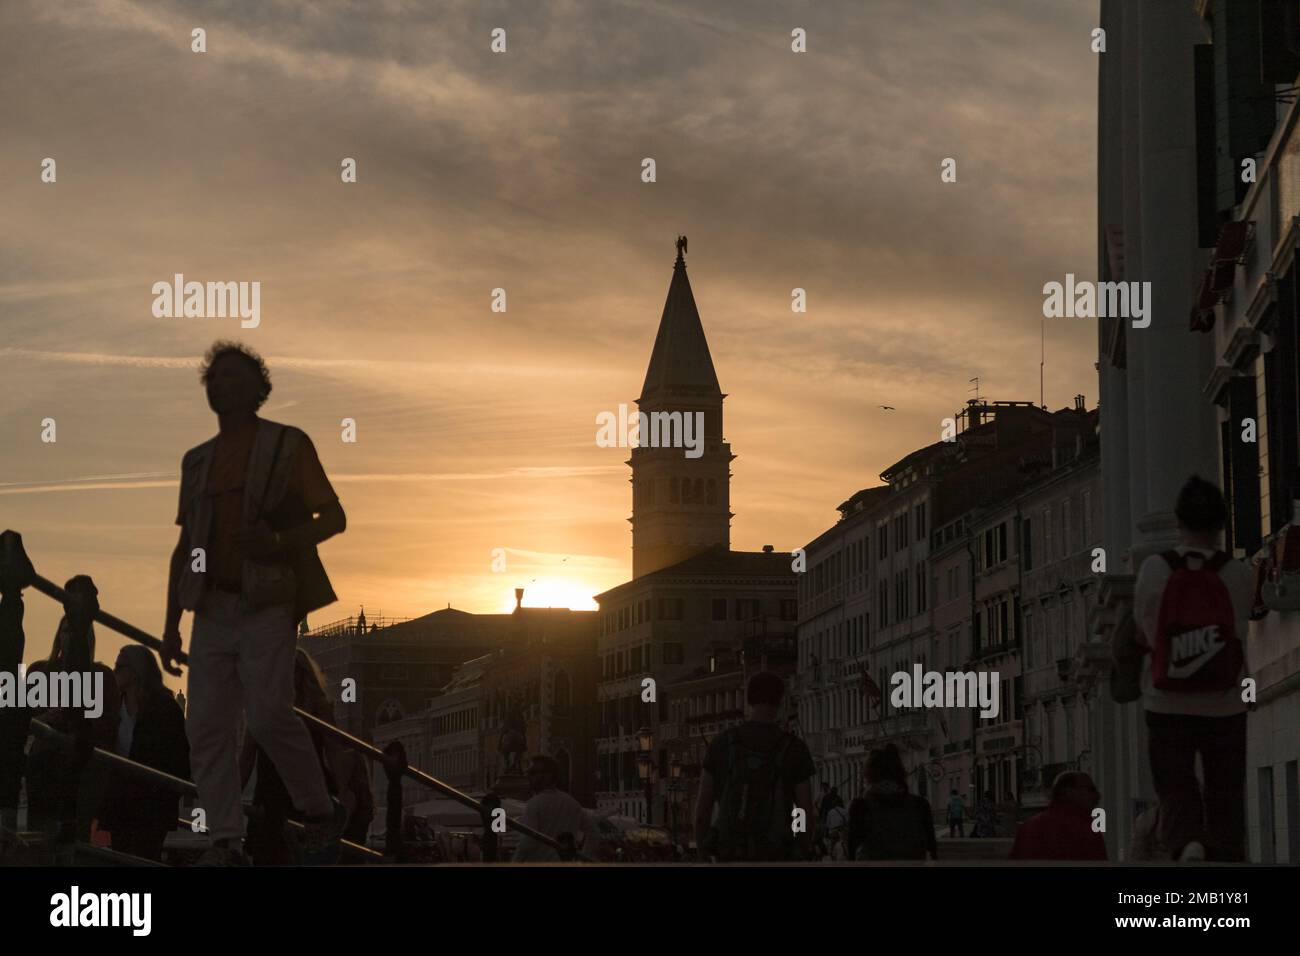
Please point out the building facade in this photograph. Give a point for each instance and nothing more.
(1193, 98)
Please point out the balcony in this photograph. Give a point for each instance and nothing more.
(911, 723)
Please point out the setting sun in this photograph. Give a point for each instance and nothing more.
(555, 592)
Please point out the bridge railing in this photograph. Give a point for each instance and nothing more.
(17, 572)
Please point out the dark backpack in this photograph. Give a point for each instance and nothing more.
(889, 827)
(1196, 646)
(754, 821)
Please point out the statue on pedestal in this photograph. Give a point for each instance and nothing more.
(513, 742)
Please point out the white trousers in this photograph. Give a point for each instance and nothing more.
(245, 657)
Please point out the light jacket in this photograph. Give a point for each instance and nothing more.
(270, 469)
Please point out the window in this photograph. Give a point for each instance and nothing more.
(1048, 555)
(719, 609)
(1067, 529)
(920, 521)
(747, 608)
(1087, 519)
(1029, 640)
(882, 601)
(560, 695)
(920, 588)
(882, 537)
(670, 609)
(1027, 543)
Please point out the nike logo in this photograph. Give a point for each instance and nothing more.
(1206, 638)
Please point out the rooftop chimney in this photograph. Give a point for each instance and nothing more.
(519, 598)
(1080, 403)
(768, 549)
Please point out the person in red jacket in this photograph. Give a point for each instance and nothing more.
(1064, 830)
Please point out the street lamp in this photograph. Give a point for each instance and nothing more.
(646, 766)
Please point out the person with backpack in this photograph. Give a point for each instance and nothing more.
(1192, 607)
(756, 774)
(888, 823)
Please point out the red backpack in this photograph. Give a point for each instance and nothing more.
(1196, 646)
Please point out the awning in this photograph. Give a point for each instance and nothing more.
(1221, 275)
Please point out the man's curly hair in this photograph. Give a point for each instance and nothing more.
(221, 349)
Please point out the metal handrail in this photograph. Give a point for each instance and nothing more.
(52, 590)
(446, 789)
(180, 784)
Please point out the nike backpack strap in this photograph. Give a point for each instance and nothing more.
(1215, 561)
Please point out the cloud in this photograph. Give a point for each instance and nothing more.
(521, 171)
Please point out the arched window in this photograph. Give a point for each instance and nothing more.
(561, 695)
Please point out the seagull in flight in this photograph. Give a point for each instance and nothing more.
(889, 408)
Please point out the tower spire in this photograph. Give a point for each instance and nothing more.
(681, 496)
(680, 363)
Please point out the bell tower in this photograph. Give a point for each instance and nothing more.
(681, 505)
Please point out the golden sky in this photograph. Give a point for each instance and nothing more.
(476, 430)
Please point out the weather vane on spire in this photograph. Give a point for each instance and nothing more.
(681, 246)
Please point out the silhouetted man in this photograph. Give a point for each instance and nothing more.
(554, 813)
(64, 784)
(756, 773)
(254, 504)
(956, 816)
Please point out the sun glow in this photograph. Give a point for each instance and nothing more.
(555, 592)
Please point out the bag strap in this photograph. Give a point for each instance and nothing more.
(1215, 561)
